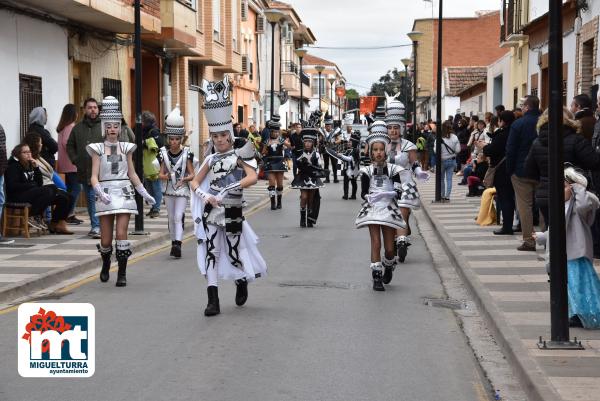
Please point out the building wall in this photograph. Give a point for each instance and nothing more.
(474, 101)
(591, 17)
(32, 47)
(425, 69)
(501, 67)
(519, 60)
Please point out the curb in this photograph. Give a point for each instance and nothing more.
(91, 263)
(531, 377)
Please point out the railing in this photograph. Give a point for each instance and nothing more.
(290, 66)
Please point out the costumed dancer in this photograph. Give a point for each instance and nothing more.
(403, 153)
(273, 158)
(113, 179)
(381, 188)
(176, 171)
(350, 157)
(329, 138)
(227, 246)
(308, 179)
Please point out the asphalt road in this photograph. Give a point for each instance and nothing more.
(312, 330)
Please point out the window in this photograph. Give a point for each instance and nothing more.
(480, 106)
(30, 97)
(315, 85)
(216, 18)
(112, 87)
(234, 23)
(194, 76)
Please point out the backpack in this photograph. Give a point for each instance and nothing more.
(421, 143)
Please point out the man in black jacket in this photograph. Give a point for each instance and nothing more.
(522, 134)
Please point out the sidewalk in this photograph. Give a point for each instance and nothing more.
(39, 262)
(512, 291)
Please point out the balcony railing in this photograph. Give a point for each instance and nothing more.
(290, 66)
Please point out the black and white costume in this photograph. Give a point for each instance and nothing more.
(329, 139)
(310, 172)
(351, 164)
(114, 192)
(176, 192)
(227, 246)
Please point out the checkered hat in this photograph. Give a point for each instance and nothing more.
(175, 124)
(378, 133)
(328, 120)
(217, 105)
(274, 123)
(310, 128)
(110, 110)
(394, 111)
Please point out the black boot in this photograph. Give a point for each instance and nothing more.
(176, 249)
(377, 277)
(309, 222)
(272, 196)
(353, 183)
(389, 266)
(241, 292)
(402, 245)
(123, 253)
(106, 254)
(472, 191)
(212, 308)
(279, 194)
(302, 217)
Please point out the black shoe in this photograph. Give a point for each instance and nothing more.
(212, 308)
(502, 231)
(176, 249)
(575, 321)
(278, 201)
(378, 281)
(326, 181)
(153, 213)
(388, 272)
(302, 217)
(273, 204)
(401, 250)
(345, 197)
(241, 292)
(335, 180)
(309, 222)
(74, 221)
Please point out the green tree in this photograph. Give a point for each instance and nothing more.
(352, 94)
(392, 82)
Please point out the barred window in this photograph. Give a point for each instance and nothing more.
(112, 87)
(30, 97)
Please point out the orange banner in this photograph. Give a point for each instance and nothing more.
(368, 104)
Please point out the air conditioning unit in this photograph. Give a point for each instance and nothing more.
(244, 12)
(261, 21)
(245, 64)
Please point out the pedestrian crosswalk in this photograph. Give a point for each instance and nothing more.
(516, 284)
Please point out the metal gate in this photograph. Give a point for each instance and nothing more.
(112, 87)
(30, 97)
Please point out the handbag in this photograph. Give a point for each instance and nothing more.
(488, 179)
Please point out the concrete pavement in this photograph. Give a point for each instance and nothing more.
(313, 329)
(512, 291)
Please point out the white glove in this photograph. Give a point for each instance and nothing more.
(207, 198)
(422, 175)
(142, 191)
(103, 196)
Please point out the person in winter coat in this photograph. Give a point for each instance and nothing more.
(24, 184)
(581, 107)
(153, 141)
(576, 150)
(37, 121)
(521, 136)
(496, 151)
(63, 163)
(3, 163)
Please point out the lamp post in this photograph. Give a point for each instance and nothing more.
(273, 16)
(139, 166)
(414, 37)
(331, 80)
(406, 62)
(320, 69)
(301, 52)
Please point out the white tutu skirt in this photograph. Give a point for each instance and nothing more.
(254, 265)
(380, 213)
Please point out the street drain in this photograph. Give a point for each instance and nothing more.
(319, 284)
(445, 303)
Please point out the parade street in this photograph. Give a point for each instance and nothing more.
(312, 330)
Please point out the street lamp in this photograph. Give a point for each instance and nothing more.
(301, 52)
(139, 165)
(406, 62)
(319, 69)
(414, 37)
(273, 16)
(331, 80)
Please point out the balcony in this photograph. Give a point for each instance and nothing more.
(106, 15)
(178, 31)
